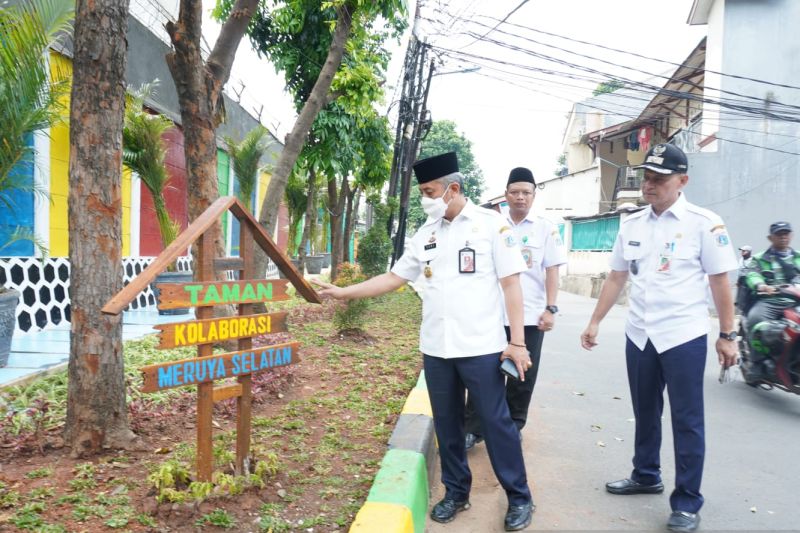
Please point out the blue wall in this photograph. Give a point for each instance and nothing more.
(20, 213)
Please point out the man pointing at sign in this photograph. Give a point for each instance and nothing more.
(461, 252)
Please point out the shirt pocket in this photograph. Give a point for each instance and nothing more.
(687, 248)
(483, 254)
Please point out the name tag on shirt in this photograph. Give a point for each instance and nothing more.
(430, 246)
(634, 243)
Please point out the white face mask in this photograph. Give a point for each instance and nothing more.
(434, 207)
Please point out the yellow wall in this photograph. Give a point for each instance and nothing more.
(126, 211)
(263, 183)
(61, 67)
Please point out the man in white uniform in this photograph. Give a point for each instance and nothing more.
(666, 250)
(465, 254)
(543, 252)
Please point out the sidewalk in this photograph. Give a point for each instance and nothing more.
(39, 353)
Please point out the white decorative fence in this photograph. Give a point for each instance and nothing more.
(44, 286)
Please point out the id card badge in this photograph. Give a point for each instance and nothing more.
(665, 258)
(466, 261)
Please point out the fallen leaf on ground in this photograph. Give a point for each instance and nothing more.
(576, 393)
(595, 427)
(753, 509)
(601, 444)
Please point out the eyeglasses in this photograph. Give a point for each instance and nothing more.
(520, 193)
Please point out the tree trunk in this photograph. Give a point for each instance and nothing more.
(295, 140)
(311, 217)
(97, 416)
(199, 87)
(349, 222)
(336, 204)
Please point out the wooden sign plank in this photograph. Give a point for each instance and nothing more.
(219, 329)
(178, 295)
(206, 369)
(227, 391)
(228, 263)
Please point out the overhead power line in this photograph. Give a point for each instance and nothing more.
(641, 56)
(496, 25)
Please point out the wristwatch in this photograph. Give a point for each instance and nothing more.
(552, 308)
(732, 336)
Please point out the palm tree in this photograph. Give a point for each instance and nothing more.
(246, 157)
(29, 100)
(144, 151)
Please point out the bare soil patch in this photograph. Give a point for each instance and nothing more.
(322, 423)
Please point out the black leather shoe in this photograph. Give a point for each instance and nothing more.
(445, 511)
(471, 440)
(519, 516)
(629, 486)
(683, 521)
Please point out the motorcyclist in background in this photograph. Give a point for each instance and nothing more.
(778, 265)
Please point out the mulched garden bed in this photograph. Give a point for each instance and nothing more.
(319, 431)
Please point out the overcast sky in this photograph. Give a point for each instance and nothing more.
(510, 119)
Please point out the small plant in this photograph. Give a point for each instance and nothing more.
(42, 493)
(146, 520)
(200, 490)
(169, 475)
(351, 316)
(40, 473)
(29, 517)
(218, 517)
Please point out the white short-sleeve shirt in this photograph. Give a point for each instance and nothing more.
(541, 246)
(462, 313)
(668, 258)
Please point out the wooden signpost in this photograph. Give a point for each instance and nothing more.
(203, 294)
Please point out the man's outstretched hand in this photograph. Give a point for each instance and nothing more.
(329, 290)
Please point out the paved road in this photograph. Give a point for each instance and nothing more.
(579, 435)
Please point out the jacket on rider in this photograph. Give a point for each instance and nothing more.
(767, 261)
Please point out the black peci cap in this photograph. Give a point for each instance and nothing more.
(665, 159)
(520, 174)
(432, 168)
(778, 227)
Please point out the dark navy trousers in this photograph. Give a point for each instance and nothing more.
(680, 369)
(447, 380)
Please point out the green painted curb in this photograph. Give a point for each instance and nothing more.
(403, 479)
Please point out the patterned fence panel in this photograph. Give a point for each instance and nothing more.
(44, 286)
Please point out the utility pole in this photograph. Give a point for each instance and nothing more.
(422, 125)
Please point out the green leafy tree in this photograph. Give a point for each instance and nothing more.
(443, 137)
(606, 87)
(29, 100)
(327, 51)
(246, 156)
(376, 246)
(144, 152)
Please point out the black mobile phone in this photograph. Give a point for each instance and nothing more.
(508, 368)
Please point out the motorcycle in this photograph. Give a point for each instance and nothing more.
(787, 363)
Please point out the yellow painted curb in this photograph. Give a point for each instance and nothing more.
(383, 518)
(418, 403)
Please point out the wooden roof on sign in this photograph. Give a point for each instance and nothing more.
(202, 224)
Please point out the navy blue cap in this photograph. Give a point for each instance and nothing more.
(778, 227)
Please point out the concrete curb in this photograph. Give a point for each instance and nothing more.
(398, 499)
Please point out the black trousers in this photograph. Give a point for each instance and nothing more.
(764, 310)
(518, 393)
(480, 375)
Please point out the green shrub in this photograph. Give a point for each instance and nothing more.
(352, 315)
(375, 248)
